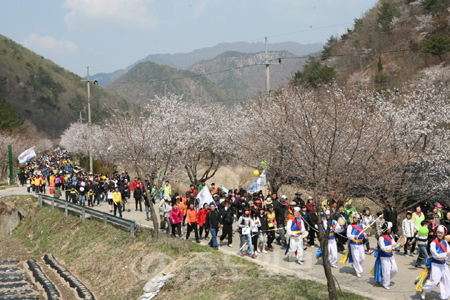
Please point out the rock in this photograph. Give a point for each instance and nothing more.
(10, 216)
(150, 287)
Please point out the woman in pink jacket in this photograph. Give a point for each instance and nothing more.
(175, 218)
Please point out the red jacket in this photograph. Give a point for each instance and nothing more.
(135, 183)
(202, 216)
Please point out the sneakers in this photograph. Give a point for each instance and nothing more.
(264, 251)
(333, 266)
(386, 287)
(253, 255)
(221, 243)
(299, 262)
(242, 254)
(258, 249)
(270, 248)
(206, 239)
(358, 275)
(198, 241)
(370, 251)
(230, 245)
(312, 246)
(422, 295)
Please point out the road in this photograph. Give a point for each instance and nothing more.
(402, 286)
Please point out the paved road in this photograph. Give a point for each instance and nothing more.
(402, 286)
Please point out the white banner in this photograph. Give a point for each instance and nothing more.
(204, 196)
(27, 155)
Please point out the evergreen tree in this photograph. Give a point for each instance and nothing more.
(438, 44)
(314, 74)
(386, 13)
(326, 52)
(9, 117)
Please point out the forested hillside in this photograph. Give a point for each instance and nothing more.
(393, 43)
(148, 79)
(47, 94)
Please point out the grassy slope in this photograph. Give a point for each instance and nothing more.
(113, 265)
(46, 93)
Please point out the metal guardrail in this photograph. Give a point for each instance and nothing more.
(86, 210)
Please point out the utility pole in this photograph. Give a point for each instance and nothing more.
(91, 167)
(267, 63)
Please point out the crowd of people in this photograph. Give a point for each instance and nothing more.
(261, 220)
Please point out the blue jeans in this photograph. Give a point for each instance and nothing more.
(246, 238)
(83, 200)
(423, 254)
(147, 211)
(213, 241)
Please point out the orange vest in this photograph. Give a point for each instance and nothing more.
(192, 216)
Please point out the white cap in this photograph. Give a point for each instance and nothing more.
(310, 198)
(440, 229)
(296, 209)
(327, 211)
(389, 225)
(357, 215)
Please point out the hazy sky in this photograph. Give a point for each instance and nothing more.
(107, 35)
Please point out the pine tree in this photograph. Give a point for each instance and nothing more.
(314, 74)
(9, 117)
(438, 44)
(386, 13)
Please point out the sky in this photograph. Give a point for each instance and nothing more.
(107, 35)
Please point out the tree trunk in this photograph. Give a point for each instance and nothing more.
(323, 239)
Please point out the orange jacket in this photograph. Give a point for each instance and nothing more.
(192, 216)
(290, 215)
(183, 208)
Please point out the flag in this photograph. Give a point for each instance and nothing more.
(205, 196)
(27, 155)
(263, 177)
(255, 187)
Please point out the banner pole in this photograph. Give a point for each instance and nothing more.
(11, 174)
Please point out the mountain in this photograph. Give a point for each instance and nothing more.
(47, 94)
(106, 78)
(248, 79)
(387, 46)
(147, 79)
(185, 60)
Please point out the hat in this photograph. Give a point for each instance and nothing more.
(440, 228)
(409, 213)
(439, 205)
(310, 198)
(269, 206)
(167, 198)
(258, 201)
(386, 226)
(293, 203)
(269, 201)
(283, 198)
(357, 215)
(297, 209)
(298, 193)
(390, 199)
(216, 195)
(327, 212)
(250, 203)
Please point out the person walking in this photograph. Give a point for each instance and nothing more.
(313, 221)
(409, 228)
(175, 217)
(281, 210)
(263, 230)
(356, 248)
(295, 228)
(226, 222)
(202, 220)
(137, 195)
(385, 258)
(244, 224)
(117, 199)
(390, 215)
(192, 221)
(212, 222)
(271, 222)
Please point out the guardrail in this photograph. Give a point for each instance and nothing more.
(107, 218)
